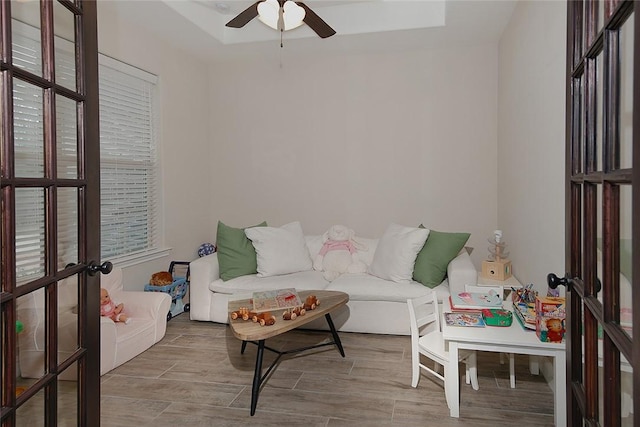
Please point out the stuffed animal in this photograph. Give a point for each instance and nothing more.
(339, 253)
(555, 330)
(161, 278)
(110, 309)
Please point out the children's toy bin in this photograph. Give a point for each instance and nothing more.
(177, 290)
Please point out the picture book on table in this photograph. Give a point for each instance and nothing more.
(475, 300)
(275, 300)
(464, 319)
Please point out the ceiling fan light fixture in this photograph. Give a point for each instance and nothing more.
(292, 14)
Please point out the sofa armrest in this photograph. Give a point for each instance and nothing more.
(461, 272)
(203, 271)
(108, 343)
(145, 304)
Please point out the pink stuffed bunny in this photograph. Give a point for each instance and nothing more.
(339, 253)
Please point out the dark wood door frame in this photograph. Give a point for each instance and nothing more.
(87, 356)
(594, 178)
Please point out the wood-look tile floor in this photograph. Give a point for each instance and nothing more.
(196, 376)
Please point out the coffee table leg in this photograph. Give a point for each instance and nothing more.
(336, 338)
(244, 346)
(257, 375)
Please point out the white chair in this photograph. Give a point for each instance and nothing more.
(118, 342)
(512, 358)
(426, 339)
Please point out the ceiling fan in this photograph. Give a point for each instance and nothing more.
(282, 15)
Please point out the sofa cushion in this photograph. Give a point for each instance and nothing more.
(302, 280)
(396, 252)
(280, 250)
(365, 287)
(236, 254)
(438, 251)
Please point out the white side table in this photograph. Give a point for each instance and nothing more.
(511, 282)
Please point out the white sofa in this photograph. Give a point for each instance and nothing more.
(119, 342)
(375, 305)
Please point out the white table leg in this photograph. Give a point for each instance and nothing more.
(560, 389)
(512, 370)
(534, 365)
(452, 381)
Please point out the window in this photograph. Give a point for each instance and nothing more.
(128, 161)
(130, 193)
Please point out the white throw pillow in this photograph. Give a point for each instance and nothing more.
(280, 250)
(396, 253)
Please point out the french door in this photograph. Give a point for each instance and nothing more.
(603, 212)
(49, 178)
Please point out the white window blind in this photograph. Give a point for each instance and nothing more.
(130, 210)
(128, 160)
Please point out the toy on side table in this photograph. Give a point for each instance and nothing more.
(550, 316)
(173, 284)
(497, 267)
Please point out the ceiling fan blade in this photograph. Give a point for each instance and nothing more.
(245, 16)
(316, 23)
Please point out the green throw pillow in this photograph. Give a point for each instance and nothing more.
(236, 254)
(440, 248)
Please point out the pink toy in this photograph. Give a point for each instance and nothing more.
(109, 309)
(339, 253)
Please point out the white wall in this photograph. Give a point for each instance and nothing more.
(361, 140)
(459, 139)
(185, 150)
(531, 139)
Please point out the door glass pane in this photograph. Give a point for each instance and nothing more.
(600, 14)
(599, 110)
(67, 402)
(27, 52)
(30, 234)
(585, 26)
(626, 388)
(66, 137)
(625, 258)
(601, 384)
(28, 129)
(577, 135)
(582, 135)
(67, 323)
(31, 414)
(63, 26)
(67, 227)
(626, 93)
(599, 241)
(30, 312)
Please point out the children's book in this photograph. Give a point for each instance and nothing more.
(464, 319)
(475, 300)
(526, 314)
(276, 300)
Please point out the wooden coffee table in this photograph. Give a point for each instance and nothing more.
(249, 331)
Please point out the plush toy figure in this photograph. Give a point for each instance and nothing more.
(339, 253)
(109, 309)
(555, 330)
